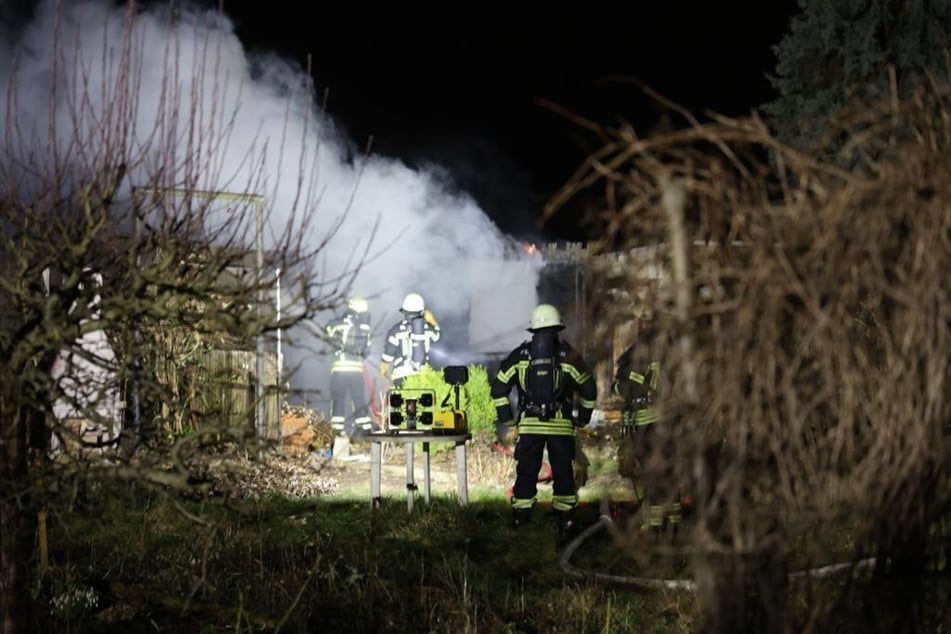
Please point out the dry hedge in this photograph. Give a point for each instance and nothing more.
(806, 318)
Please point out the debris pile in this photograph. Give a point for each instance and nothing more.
(304, 430)
(295, 470)
(237, 475)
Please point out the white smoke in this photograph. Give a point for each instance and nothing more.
(428, 238)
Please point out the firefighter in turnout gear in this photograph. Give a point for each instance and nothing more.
(644, 453)
(547, 373)
(350, 402)
(409, 341)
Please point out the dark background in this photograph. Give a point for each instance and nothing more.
(466, 89)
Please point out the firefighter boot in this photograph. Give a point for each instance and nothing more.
(674, 519)
(521, 517)
(341, 447)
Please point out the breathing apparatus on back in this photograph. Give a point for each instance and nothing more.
(543, 376)
(413, 310)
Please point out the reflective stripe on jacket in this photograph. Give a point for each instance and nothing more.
(636, 381)
(512, 374)
(351, 338)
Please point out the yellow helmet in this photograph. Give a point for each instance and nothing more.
(357, 305)
(545, 316)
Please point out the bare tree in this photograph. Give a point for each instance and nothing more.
(806, 339)
(155, 220)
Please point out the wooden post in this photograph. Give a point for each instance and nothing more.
(43, 540)
(674, 201)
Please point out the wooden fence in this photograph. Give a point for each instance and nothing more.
(226, 390)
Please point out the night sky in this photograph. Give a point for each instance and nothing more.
(465, 91)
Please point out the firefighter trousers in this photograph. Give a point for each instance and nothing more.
(350, 404)
(529, 452)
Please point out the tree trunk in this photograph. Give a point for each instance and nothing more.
(17, 522)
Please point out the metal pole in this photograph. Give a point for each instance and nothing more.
(280, 353)
(259, 385)
(136, 335)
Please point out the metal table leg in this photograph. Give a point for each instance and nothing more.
(427, 489)
(376, 460)
(376, 467)
(410, 482)
(462, 480)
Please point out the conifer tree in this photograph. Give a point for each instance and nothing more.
(838, 54)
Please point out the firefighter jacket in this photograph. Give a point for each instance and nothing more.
(635, 381)
(408, 344)
(350, 335)
(571, 377)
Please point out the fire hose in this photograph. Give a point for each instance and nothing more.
(371, 390)
(606, 522)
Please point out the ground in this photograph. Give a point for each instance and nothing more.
(300, 467)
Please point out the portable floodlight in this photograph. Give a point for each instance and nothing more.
(411, 409)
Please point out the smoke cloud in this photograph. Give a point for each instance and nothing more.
(414, 231)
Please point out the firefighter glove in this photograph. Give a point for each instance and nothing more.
(385, 370)
(430, 318)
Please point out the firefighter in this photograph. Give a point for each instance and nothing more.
(409, 341)
(547, 373)
(644, 454)
(350, 402)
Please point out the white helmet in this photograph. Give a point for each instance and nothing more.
(413, 303)
(357, 305)
(545, 316)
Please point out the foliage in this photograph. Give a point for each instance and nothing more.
(838, 54)
(480, 408)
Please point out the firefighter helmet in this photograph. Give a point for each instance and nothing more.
(413, 303)
(545, 316)
(357, 305)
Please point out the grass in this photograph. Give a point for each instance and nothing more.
(278, 564)
(123, 558)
